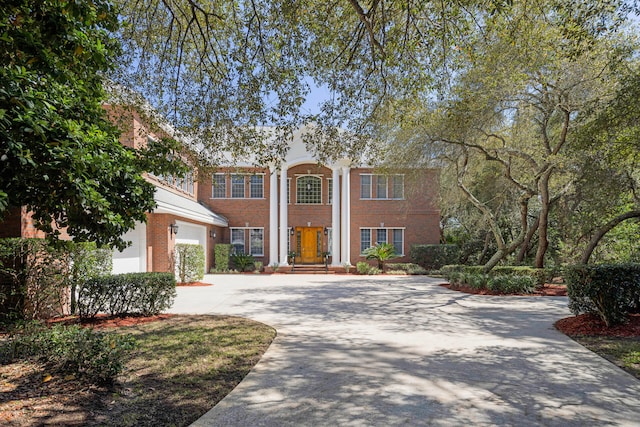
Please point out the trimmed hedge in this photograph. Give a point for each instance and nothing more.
(503, 280)
(189, 262)
(222, 252)
(432, 257)
(609, 290)
(131, 293)
(96, 355)
(538, 275)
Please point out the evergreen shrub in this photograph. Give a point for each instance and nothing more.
(610, 291)
(433, 257)
(131, 293)
(190, 262)
(222, 252)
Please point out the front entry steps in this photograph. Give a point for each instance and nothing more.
(308, 269)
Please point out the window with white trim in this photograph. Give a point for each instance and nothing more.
(330, 241)
(219, 186)
(288, 191)
(330, 190)
(398, 240)
(387, 187)
(365, 239)
(309, 190)
(237, 186)
(256, 238)
(237, 240)
(256, 187)
(381, 235)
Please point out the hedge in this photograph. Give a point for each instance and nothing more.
(222, 252)
(610, 291)
(432, 257)
(189, 262)
(131, 293)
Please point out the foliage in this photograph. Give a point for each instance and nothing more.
(407, 267)
(95, 355)
(60, 156)
(609, 290)
(33, 276)
(189, 261)
(242, 262)
(86, 260)
(381, 252)
(496, 283)
(363, 267)
(257, 266)
(347, 267)
(221, 252)
(432, 257)
(131, 293)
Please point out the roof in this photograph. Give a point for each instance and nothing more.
(176, 204)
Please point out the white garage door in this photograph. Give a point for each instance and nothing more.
(134, 258)
(192, 234)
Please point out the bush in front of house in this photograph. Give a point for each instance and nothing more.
(515, 280)
(433, 257)
(95, 355)
(189, 261)
(131, 293)
(365, 268)
(610, 291)
(243, 262)
(405, 267)
(222, 252)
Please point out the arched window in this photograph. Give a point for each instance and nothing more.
(309, 190)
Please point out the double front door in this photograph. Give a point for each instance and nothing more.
(309, 245)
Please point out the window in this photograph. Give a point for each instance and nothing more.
(237, 186)
(381, 187)
(397, 187)
(309, 190)
(381, 235)
(237, 240)
(219, 186)
(365, 186)
(288, 191)
(365, 239)
(386, 187)
(256, 187)
(398, 240)
(330, 241)
(256, 237)
(330, 190)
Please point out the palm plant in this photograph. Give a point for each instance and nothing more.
(381, 252)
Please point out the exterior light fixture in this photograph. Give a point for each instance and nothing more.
(212, 234)
(173, 228)
(326, 231)
(291, 231)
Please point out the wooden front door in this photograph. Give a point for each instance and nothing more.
(309, 245)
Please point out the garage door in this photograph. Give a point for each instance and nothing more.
(134, 258)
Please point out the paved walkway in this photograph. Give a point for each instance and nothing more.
(391, 351)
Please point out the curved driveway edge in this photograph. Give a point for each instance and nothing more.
(400, 350)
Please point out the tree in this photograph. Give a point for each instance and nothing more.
(60, 156)
(522, 89)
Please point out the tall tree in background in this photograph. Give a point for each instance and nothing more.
(60, 156)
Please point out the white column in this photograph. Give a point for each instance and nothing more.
(344, 235)
(273, 216)
(335, 218)
(284, 220)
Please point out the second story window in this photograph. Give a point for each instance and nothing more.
(219, 186)
(256, 187)
(309, 190)
(365, 186)
(237, 186)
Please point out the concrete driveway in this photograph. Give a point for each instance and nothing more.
(388, 351)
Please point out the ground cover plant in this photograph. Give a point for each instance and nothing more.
(181, 367)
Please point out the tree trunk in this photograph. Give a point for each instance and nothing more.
(524, 248)
(602, 231)
(543, 224)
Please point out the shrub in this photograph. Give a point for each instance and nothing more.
(503, 280)
(189, 262)
(86, 261)
(381, 252)
(242, 262)
(433, 257)
(257, 266)
(609, 290)
(95, 355)
(33, 276)
(221, 253)
(131, 293)
(363, 267)
(407, 267)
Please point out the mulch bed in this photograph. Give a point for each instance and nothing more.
(103, 321)
(592, 325)
(194, 284)
(548, 289)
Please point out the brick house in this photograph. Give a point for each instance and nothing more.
(296, 206)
